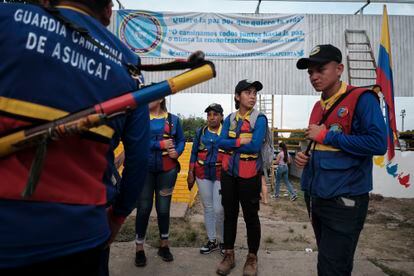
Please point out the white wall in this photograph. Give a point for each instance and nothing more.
(384, 181)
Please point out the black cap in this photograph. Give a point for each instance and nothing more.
(215, 107)
(245, 84)
(320, 54)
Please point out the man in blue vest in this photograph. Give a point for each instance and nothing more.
(346, 128)
(49, 69)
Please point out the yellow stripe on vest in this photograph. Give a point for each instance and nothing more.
(246, 135)
(245, 156)
(202, 163)
(321, 147)
(30, 110)
(37, 111)
(105, 131)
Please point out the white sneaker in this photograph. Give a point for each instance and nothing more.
(209, 247)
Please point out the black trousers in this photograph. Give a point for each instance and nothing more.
(235, 190)
(337, 223)
(85, 263)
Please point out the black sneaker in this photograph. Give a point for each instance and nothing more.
(165, 254)
(222, 250)
(140, 259)
(209, 247)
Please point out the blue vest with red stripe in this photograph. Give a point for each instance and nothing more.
(209, 156)
(241, 164)
(47, 71)
(330, 171)
(162, 130)
(33, 82)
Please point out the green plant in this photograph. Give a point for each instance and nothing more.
(295, 135)
(182, 232)
(190, 126)
(300, 238)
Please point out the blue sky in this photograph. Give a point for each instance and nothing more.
(194, 104)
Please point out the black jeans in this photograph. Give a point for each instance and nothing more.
(247, 192)
(104, 264)
(337, 223)
(89, 262)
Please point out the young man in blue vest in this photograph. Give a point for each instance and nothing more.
(337, 176)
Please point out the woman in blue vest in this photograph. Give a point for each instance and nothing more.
(166, 145)
(242, 137)
(205, 168)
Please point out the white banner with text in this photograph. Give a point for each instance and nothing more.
(222, 36)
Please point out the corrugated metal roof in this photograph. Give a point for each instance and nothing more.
(282, 77)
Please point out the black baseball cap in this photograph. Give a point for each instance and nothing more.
(245, 84)
(320, 54)
(215, 107)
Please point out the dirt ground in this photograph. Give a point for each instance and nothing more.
(387, 239)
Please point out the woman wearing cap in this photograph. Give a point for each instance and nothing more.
(205, 168)
(242, 137)
(166, 145)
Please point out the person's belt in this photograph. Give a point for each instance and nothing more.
(248, 158)
(243, 156)
(202, 163)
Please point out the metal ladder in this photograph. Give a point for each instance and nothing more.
(266, 106)
(359, 58)
(360, 61)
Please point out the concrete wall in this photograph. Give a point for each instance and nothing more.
(391, 180)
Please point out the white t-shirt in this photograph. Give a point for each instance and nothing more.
(281, 155)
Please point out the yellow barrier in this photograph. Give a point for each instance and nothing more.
(181, 193)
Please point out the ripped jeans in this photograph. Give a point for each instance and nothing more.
(162, 185)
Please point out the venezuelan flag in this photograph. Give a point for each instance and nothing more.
(385, 81)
